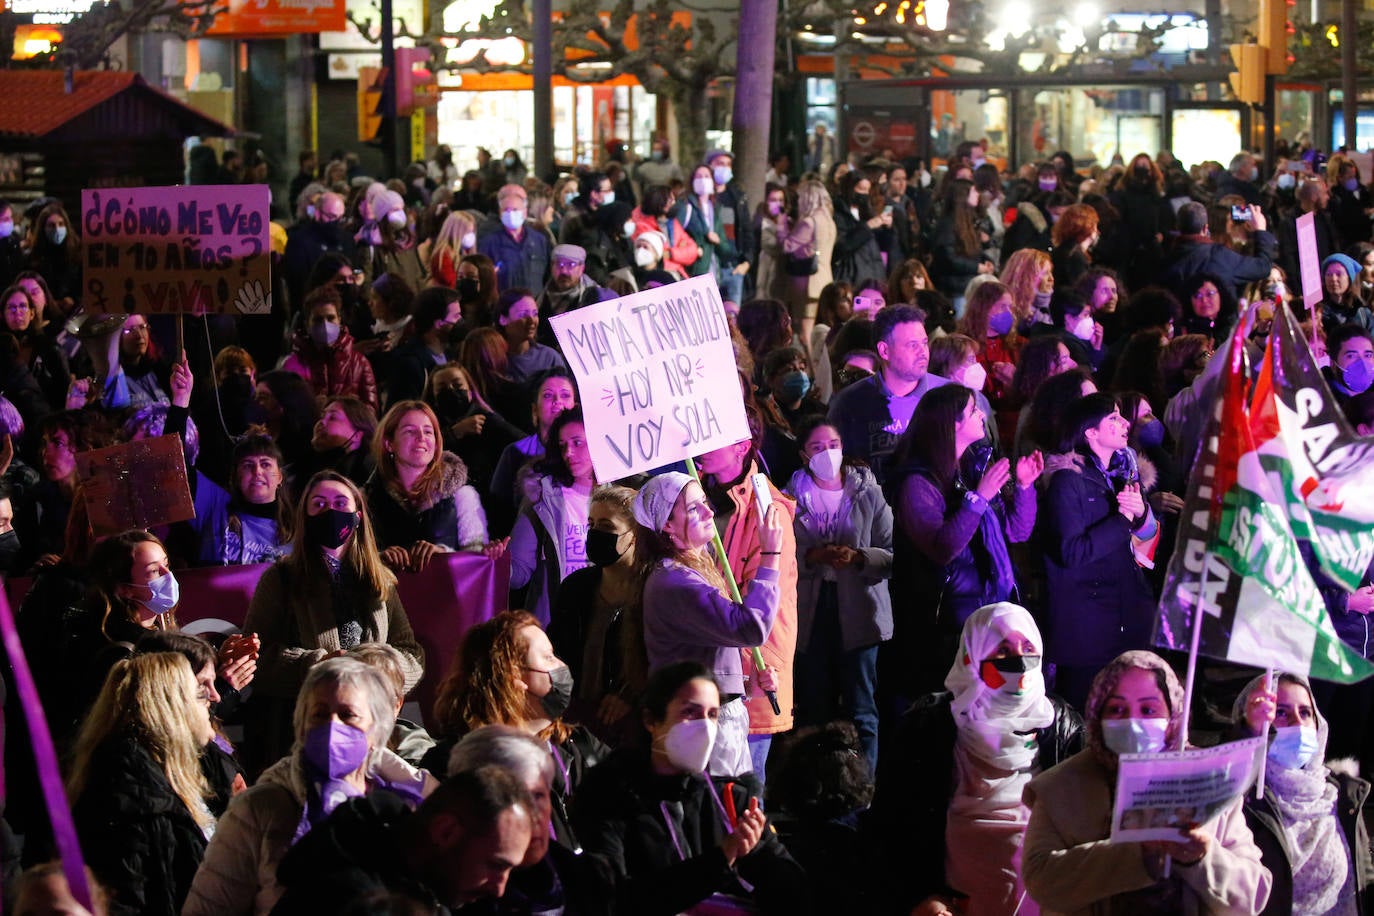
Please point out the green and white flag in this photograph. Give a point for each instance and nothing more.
(1238, 558)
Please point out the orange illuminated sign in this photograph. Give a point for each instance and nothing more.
(279, 17)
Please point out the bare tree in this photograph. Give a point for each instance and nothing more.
(88, 38)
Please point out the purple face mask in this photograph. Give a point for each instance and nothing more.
(333, 751)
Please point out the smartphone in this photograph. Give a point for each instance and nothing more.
(887, 211)
(1241, 215)
(763, 496)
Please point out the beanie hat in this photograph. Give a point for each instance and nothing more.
(654, 501)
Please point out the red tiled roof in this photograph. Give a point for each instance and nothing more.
(37, 103)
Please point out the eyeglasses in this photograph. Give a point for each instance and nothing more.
(135, 329)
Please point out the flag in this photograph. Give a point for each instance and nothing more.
(1237, 557)
(1322, 471)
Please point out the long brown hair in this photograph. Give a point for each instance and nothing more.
(965, 224)
(305, 564)
(111, 565)
(429, 481)
(479, 688)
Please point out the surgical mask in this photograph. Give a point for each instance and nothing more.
(508, 162)
(1286, 181)
(1254, 174)
(629, 228)
(1134, 736)
(644, 257)
(333, 527)
(326, 333)
(467, 288)
(453, 403)
(163, 594)
(1083, 327)
(397, 218)
(1293, 746)
(923, 178)
(513, 219)
(703, 186)
(979, 162)
(6, 228)
(1002, 323)
(607, 198)
(656, 155)
(826, 465)
(603, 547)
(333, 750)
(57, 234)
(1151, 433)
(1009, 675)
(469, 240)
(1357, 376)
(569, 197)
(722, 174)
(975, 377)
(1350, 184)
(1048, 184)
(688, 744)
(795, 385)
(555, 702)
(310, 211)
(1323, 361)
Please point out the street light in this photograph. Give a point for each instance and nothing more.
(937, 15)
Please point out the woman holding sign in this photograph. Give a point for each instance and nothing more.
(1307, 824)
(1069, 865)
(688, 615)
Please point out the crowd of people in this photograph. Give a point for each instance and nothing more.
(976, 394)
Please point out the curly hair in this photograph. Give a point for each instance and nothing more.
(1023, 274)
(822, 773)
(480, 686)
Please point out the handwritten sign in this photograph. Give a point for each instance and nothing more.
(1159, 795)
(655, 375)
(135, 485)
(1309, 264)
(203, 248)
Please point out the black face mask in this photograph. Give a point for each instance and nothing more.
(603, 547)
(333, 527)
(9, 551)
(467, 289)
(453, 403)
(555, 702)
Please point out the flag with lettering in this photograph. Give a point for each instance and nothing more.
(1238, 559)
(1321, 469)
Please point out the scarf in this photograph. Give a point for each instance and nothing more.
(1305, 800)
(994, 757)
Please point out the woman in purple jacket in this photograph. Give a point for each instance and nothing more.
(687, 613)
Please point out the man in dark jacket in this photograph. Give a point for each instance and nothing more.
(309, 240)
(738, 224)
(569, 288)
(519, 249)
(458, 847)
(1196, 253)
(1312, 196)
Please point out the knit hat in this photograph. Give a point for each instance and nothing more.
(386, 202)
(1352, 268)
(654, 501)
(654, 240)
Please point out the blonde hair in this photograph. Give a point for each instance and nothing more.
(152, 700)
(450, 234)
(1021, 276)
(812, 197)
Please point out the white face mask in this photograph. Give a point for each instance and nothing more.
(513, 219)
(469, 240)
(923, 178)
(396, 218)
(722, 174)
(1083, 328)
(975, 377)
(703, 186)
(1134, 736)
(607, 198)
(629, 228)
(688, 744)
(826, 465)
(644, 257)
(1324, 361)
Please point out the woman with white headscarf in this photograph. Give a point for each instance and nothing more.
(953, 823)
(1308, 825)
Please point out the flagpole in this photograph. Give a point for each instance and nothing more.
(1182, 738)
(1264, 756)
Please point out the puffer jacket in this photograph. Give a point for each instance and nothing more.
(138, 836)
(333, 371)
(908, 813)
(451, 517)
(740, 534)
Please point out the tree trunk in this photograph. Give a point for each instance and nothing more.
(758, 29)
(690, 109)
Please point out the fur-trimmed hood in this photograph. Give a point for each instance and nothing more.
(1074, 461)
(454, 476)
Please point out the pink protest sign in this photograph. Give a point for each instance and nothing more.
(1309, 262)
(202, 248)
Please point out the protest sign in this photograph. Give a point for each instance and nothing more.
(135, 485)
(655, 376)
(1157, 795)
(203, 248)
(1309, 262)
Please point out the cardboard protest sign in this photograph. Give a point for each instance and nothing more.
(203, 248)
(135, 485)
(655, 376)
(1157, 795)
(1309, 262)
